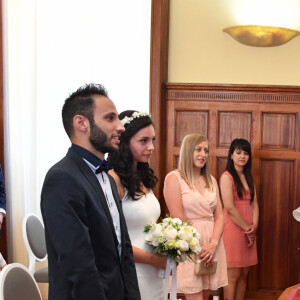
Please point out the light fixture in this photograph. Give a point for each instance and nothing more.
(261, 36)
(296, 214)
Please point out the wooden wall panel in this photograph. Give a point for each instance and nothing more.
(233, 124)
(269, 117)
(278, 131)
(276, 185)
(176, 162)
(221, 165)
(187, 121)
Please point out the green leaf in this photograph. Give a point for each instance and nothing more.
(147, 228)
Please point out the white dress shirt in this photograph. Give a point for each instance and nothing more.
(111, 203)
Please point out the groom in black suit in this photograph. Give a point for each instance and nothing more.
(89, 250)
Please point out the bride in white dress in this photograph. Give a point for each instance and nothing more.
(135, 180)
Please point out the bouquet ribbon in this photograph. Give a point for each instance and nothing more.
(170, 268)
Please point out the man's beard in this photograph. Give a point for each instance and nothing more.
(99, 140)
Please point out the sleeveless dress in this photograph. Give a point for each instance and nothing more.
(238, 253)
(138, 213)
(199, 210)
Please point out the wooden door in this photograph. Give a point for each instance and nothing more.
(269, 117)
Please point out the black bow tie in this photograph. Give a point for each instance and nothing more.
(103, 167)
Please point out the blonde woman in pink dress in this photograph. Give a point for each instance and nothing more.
(192, 194)
(241, 218)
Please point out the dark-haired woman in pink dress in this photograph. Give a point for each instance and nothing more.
(241, 218)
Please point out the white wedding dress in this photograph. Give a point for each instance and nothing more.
(138, 213)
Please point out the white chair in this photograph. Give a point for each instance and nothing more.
(16, 283)
(34, 238)
(296, 214)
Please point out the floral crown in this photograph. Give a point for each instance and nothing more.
(136, 114)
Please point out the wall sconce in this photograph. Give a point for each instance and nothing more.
(261, 36)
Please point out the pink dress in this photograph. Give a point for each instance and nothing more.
(199, 210)
(238, 253)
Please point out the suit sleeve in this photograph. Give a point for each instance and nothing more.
(2, 191)
(67, 231)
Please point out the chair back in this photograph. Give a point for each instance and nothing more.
(34, 238)
(16, 283)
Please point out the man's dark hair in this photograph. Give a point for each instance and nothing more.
(81, 103)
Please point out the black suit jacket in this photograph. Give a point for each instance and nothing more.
(2, 191)
(83, 257)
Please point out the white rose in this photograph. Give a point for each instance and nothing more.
(196, 248)
(196, 233)
(157, 229)
(149, 237)
(153, 232)
(170, 244)
(194, 245)
(186, 233)
(170, 232)
(184, 246)
(166, 221)
(155, 243)
(177, 245)
(177, 221)
(193, 242)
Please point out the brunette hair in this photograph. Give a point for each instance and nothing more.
(123, 158)
(244, 145)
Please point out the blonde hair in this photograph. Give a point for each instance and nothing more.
(186, 161)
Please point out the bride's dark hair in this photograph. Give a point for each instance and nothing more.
(123, 158)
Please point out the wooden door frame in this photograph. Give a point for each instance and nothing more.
(158, 77)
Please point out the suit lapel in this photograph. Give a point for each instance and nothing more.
(91, 177)
(115, 194)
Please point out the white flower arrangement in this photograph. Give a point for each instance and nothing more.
(136, 114)
(174, 238)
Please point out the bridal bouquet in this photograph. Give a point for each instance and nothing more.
(173, 237)
(177, 239)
